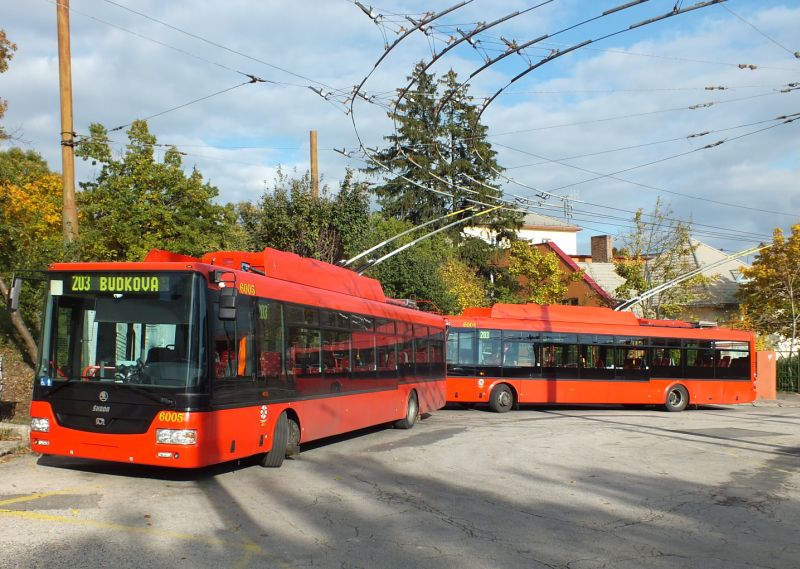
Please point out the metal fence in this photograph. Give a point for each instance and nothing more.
(788, 372)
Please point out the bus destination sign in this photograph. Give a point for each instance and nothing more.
(116, 283)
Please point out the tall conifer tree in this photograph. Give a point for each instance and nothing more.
(439, 148)
(468, 159)
(412, 157)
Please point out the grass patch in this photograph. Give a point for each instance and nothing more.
(9, 435)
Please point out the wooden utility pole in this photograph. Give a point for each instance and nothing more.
(69, 214)
(314, 171)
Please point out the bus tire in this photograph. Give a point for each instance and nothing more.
(677, 398)
(280, 442)
(412, 413)
(501, 400)
(293, 446)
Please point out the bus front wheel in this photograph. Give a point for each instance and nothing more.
(280, 442)
(293, 445)
(412, 413)
(501, 399)
(677, 398)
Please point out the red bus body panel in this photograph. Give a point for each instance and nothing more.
(234, 433)
(594, 320)
(565, 391)
(231, 434)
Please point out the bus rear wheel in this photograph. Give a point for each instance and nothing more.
(677, 398)
(501, 400)
(280, 442)
(412, 413)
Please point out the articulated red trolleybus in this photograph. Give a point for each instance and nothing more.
(511, 354)
(185, 362)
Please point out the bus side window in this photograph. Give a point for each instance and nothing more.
(224, 350)
(233, 343)
(405, 354)
(221, 358)
(270, 340)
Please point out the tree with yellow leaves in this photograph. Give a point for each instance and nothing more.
(541, 280)
(770, 298)
(30, 227)
(464, 284)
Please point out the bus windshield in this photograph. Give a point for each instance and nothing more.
(125, 328)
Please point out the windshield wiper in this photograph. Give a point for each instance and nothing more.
(63, 384)
(150, 395)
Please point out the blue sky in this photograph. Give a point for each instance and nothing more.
(613, 106)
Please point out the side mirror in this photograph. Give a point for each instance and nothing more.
(227, 303)
(13, 296)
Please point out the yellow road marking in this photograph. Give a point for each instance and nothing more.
(250, 548)
(35, 496)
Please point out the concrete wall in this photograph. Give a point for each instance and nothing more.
(566, 240)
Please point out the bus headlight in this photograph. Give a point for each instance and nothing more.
(176, 436)
(40, 425)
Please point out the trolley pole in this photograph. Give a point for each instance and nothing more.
(314, 170)
(69, 211)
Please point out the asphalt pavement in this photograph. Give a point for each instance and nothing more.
(22, 432)
(571, 487)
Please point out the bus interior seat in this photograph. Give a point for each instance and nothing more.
(160, 355)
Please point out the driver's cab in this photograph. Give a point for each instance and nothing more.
(165, 366)
(154, 338)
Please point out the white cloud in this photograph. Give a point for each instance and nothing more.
(118, 76)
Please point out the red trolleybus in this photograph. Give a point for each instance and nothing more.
(187, 362)
(511, 354)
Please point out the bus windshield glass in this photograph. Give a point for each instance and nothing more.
(125, 328)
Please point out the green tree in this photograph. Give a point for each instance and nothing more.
(137, 203)
(770, 299)
(539, 275)
(477, 253)
(329, 227)
(658, 250)
(439, 148)
(487, 261)
(409, 163)
(468, 160)
(19, 167)
(415, 272)
(7, 49)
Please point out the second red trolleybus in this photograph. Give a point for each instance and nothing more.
(186, 362)
(511, 354)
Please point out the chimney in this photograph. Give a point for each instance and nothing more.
(601, 249)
